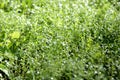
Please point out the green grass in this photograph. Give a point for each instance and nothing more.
(60, 39)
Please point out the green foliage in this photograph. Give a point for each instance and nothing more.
(60, 39)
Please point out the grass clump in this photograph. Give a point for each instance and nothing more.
(60, 39)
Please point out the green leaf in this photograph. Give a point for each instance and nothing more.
(4, 69)
(15, 34)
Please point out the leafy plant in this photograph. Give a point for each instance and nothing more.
(60, 39)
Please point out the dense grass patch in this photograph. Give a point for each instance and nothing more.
(60, 39)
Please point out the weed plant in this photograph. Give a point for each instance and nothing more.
(60, 39)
